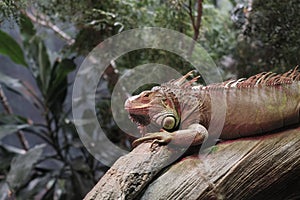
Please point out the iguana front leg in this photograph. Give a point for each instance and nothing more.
(194, 135)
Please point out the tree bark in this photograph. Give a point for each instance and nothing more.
(131, 173)
(266, 167)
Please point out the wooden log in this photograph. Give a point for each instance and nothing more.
(265, 167)
(132, 172)
(259, 168)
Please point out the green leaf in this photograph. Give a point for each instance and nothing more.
(12, 119)
(13, 84)
(26, 28)
(10, 48)
(44, 66)
(38, 188)
(59, 84)
(60, 73)
(60, 188)
(18, 87)
(6, 158)
(22, 165)
(11, 149)
(36, 53)
(9, 129)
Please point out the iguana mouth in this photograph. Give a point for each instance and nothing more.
(138, 113)
(137, 110)
(141, 120)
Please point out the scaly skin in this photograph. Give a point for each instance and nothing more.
(182, 113)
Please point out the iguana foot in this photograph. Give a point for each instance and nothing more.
(158, 137)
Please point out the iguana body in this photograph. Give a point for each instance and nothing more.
(182, 113)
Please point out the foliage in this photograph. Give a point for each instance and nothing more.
(218, 35)
(60, 164)
(98, 20)
(75, 170)
(266, 37)
(10, 9)
(270, 37)
(11, 48)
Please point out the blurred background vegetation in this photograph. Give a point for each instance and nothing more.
(42, 43)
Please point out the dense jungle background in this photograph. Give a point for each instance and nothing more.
(42, 44)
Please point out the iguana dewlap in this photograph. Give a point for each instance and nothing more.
(181, 112)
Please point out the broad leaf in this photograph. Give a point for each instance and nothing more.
(58, 84)
(61, 188)
(9, 81)
(44, 66)
(21, 167)
(26, 28)
(36, 53)
(12, 84)
(11, 149)
(39, 187)
(16, 86)
(8, 129)
(9, 47)
(5, 159)
(61, 70)
(12, 119)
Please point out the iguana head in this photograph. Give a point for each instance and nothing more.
(161, 106)
(154, 106)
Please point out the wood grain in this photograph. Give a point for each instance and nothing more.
(251, 168)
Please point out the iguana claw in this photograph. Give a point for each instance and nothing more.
(158, 137)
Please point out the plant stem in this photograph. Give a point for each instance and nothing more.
(9, 111)
(41, 19)
(4, 102)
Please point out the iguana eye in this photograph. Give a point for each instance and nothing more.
(169, 122)
(146, 95)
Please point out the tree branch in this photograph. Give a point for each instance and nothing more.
(198, 20)
(264, 167)
(41, 19)
(196, 23)
(190, 13)
(132, 173)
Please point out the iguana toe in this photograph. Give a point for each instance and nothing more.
(158, 137)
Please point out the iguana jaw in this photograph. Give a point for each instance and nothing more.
(138, 112)
(153, 107)
(135, 109)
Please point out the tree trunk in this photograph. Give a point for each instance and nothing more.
(266, 167)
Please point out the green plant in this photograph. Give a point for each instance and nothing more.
(58, 166)
(269, 39)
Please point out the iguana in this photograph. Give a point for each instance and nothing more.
(181, 112)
